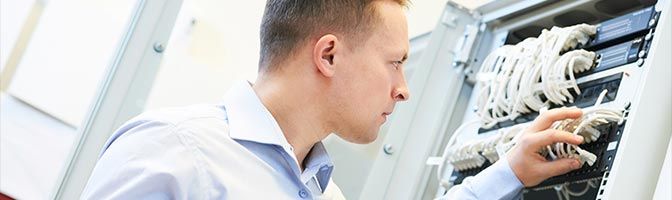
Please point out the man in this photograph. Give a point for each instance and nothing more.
(326, 67)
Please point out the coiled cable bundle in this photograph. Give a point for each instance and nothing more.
(513, 78)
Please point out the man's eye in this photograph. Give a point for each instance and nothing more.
(397, 64)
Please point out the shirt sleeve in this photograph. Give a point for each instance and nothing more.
(495, 182)
(147, 161)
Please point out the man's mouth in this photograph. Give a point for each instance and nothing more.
(384, 115)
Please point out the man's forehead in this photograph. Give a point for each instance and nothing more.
(392, 28)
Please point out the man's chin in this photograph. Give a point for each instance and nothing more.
(361, 139)
(368, 140)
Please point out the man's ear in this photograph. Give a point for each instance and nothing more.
(323, 54)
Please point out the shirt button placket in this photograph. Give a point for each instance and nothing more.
(303, 193)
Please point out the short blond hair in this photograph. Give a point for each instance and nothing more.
(288, 23)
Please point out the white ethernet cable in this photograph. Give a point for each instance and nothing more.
(513, 77)
(486, 76)
(440, 161)
(555, 86)
(556, 68)
(529, 58)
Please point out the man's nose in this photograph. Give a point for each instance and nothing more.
(400, 92)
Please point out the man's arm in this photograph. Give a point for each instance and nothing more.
(523, 166)
(495, 182)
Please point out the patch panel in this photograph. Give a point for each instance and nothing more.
(605, 148)
(590, 92)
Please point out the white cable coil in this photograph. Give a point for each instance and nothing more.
(513, 77)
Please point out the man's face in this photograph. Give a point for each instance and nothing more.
(370, 80)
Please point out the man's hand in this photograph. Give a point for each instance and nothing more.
(529, 166)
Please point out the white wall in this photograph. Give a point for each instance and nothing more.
(13, 14)
(423, 15)
(71, 48)
(205, 58)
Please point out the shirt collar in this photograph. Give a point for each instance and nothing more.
(318, 164)
(250, 120)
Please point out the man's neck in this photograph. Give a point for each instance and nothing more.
(296, 111)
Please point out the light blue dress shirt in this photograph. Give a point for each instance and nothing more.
(233, 151)
(230, 151)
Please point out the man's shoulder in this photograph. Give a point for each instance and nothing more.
(177, 116)
(198, 121)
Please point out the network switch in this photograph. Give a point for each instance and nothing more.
(617, 55)
(624, 27)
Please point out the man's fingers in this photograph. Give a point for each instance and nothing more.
(547, 118)
(560, 166)
(551, 136)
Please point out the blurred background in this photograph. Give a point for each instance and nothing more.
(72, 71)
(55, 56)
